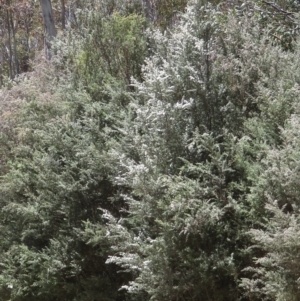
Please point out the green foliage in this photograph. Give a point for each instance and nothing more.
(58, 173)
(284, 16)
(106, 48)
(186, 229)
(208, 110)
(168, 10)
(279, 19)
(187, 162)
(59, 178)
(276, 271)
(120, 44)
(134, 164)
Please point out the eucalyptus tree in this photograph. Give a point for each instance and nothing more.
(49, 24)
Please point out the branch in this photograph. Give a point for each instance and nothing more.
(281, 10)
(274, 5)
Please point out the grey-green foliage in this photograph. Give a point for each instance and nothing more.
(157, 173)
(183, 231)
(58, 175)
(215, 94)
(58, 180)
(186, 160)
(278, 19)
(273, 142)
(105, 48)
(275, 275)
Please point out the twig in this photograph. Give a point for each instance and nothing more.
(277, 7)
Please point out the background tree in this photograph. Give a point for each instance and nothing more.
(21, 36)
(49, 24)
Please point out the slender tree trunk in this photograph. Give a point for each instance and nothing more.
(63, 15)
(49, 25)
(2, 62)
(149, 9)
(11, 73)
(17, 68)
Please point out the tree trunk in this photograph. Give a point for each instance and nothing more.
(149, 9)
(17, 68)
(49, 25)
(10, 52)
(63, 15)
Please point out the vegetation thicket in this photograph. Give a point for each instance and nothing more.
(155, 156)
